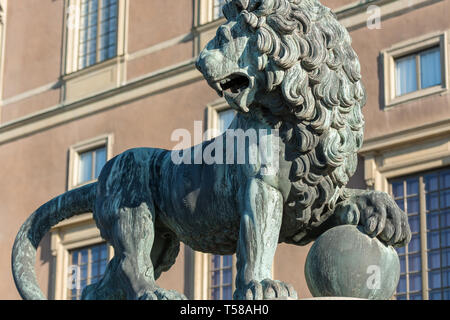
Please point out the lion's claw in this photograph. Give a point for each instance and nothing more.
(378, 216)
(266, 290)
(162, 294)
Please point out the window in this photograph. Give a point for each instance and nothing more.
(221, 277)
(415, 69)
(225, 119)
(80, 254)
(217, 9)
(96, 21)
(425, 262)
(80, 257)
(87, 265)
(90, 164)
(208, 11)
(418, 71)
(87, 159)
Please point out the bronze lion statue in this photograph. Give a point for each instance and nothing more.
(286, 66)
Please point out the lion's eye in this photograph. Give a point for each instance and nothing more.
(223, 35)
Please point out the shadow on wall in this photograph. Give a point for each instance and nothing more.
(357, 181)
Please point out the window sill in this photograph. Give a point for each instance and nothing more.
(416, 95)
(96, 78)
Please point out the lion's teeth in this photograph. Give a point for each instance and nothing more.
(216, 85)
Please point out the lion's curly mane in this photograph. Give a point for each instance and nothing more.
(307, 57)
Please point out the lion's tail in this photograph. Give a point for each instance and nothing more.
(69, 204)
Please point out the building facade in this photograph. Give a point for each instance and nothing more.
(84, 80)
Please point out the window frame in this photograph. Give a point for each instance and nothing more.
(202, 261)
(423, 231)
(78, 231)
(71, 35)
(205, 12)
(85, 146)
(413, 46)
(99, 77)
(410, 152)
(75, 233)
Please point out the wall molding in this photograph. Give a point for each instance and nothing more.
(155, 82)
(405, 152)
(407, 136)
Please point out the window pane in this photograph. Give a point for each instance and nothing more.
(85, 168)
(100, 160)
(397, 189)
(80, 258)
(402, 285)
(216, 293)
(412, 187)
(437, 248)
(90, 38)
(433, 240)
(406, 76)
(225, 119)
(432, 201)
(434, 279)
(434, 259)
(445, 219)
(445, 238)
(414, 223)
(446, 278)
(226, 293)
(435, 295)
(217, 8)
(430, 68)
(416, 296)
(414, 244)
(415, 282)
(412, 205)
(216, 261)
(216, 278)
(414, 263)
(445, 199)
(221, 277)
(431, 182)
(433, 220)
(445, 258)
(226, 276)
(445, 179)
(400, 203)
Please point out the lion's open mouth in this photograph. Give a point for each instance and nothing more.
(232, 84)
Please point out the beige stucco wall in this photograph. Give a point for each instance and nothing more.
(33, 45)
(368, 45)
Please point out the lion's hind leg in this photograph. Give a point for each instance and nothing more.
(126, 215)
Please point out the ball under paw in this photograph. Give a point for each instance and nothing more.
(344, 262)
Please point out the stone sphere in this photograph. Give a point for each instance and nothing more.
(344, 262)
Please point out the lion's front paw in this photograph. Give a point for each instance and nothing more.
(266, 290)
(162, 294)
(381, 217)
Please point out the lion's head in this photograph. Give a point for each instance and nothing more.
(293, 62)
